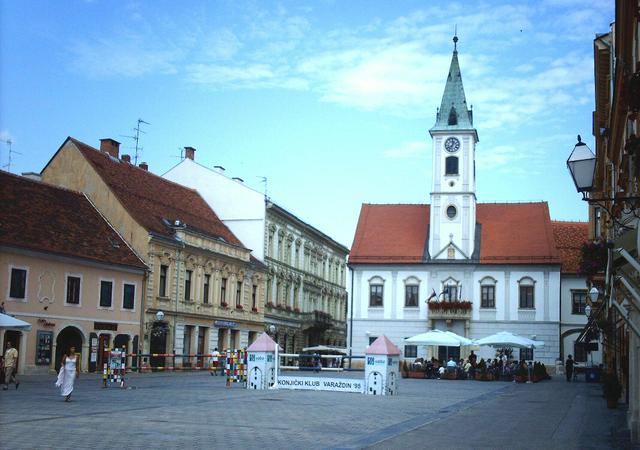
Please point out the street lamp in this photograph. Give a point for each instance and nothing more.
(593, 294)
(587, 311)
(159, 316)
(582, 166)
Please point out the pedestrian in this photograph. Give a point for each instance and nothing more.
(69, 371)
(568, 368)
(215, 357)
(10, 365)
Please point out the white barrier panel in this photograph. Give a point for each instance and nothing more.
(321, 384)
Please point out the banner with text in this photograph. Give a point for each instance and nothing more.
(321, 384)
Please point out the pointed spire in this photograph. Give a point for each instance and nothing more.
(454, 113)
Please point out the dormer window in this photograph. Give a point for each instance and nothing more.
(453, 117)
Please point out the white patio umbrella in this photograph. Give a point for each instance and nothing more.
(11, 323)
(437, 337)
(506, 339)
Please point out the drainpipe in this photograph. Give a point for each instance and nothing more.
(351, 319)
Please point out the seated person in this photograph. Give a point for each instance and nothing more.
(451, 365)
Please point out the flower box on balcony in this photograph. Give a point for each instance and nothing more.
(271, 305)
(255, 310)
(239, 307)
(289, 308)
(224, 304)
(296, 310)
(450, 306)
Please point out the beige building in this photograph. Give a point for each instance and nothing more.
(202, 279)
(68, 273)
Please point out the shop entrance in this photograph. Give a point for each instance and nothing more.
(158, 343)
(67, 338)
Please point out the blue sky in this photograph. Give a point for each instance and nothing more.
(330, 100)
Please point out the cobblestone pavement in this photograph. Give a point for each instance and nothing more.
(195, 410)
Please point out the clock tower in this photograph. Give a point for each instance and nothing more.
(452, 222)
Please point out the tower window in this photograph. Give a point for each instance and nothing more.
(453, 117)
(451, 212)
(451, 165)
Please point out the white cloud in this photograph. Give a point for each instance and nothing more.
(407, 150)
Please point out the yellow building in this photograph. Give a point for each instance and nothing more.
(66, 271)
(203, 281)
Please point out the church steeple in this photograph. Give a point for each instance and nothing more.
(454, 113)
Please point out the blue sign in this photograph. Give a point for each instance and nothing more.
(225, 324)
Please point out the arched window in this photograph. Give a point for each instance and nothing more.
(451, 165)
(451, 289)
(453, 116)
(376, 292)
(526, 289)
(488, 292)
(411, 292)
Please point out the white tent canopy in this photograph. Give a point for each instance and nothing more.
(325, 348)
(11, 323)
(437, 337)
(506, 339)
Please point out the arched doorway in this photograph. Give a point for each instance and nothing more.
(68, 337)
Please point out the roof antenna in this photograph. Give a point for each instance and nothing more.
(265, 181)
(9, 142)
(137, 139)
(455, 38)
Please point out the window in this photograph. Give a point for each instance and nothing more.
(452, 211)
(487, 296)
(187, 284)
(254, 292)
(451, 165)
(239, 293)
(526, 297)
(223, 291)
(375, 295)
(106, 294)
(410, 351)
(372, 339)
(453, 117)
(526, 354)
(18, 283)
(597, 222)
(73, 290)
(411, 295)
(128, 296)
(162, 288)
(205, 290)
(578, 301)
(450, 289)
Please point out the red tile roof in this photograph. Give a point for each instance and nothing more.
(390, 234)
(512, 233)
(569, 238)
(150, 198)
(41, 217)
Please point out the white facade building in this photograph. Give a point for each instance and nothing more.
(306, 295)
(474, 269)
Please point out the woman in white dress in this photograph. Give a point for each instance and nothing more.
(69, 371)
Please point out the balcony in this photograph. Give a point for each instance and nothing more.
(318, 319)
(455, 309)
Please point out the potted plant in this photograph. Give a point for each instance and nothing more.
(612, 390)
(239, 307)
(254, 309)
(224, 304)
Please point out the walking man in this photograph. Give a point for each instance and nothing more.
(215, 356)
(568, 368)
(10, 363)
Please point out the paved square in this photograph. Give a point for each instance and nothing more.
(195, 410)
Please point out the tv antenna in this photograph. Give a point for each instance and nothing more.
(265, 181)
(136, 138)
(9, 142)
(181, 150)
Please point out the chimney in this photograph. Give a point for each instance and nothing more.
(238, 179)
(189, 153)
(110, 146)
(144, 166)
(219, 169)
(126, 158)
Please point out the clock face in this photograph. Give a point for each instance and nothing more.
(452, 145)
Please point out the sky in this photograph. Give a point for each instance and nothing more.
(330, 100)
